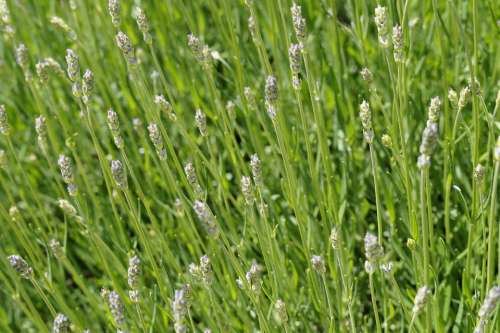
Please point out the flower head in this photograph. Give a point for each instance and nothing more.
(490, 302)
(318, 264)
(366, 75)
(20, 266)
(124, 44)
(434, 107)
(280, 313)
(299, 22)
(430, 134)
(429, 139)
(464, 98)
(478, 173)
(334, 238)
(61, 324)
(59, 23)
(115, 305)
(255, 165)
(192, 179)
(271, 95)
(180, 306)
(87, 85)
(421, 299)
(4, 123)
(397, 42)
(382, 26)
(295, 55)
(66, 207)
(165, 106)
(200, 50)
(56, 248)
(201, 122)
(134, 272)
(73, 65)
(41, 131)
(22, 56)
(247, 190)
(157, 140)
(253, 278)
(206, 216)
(114, 126)
(143, 24)
(66, 167)
(366, 121)
(203, 271)
(15, 214)
(252, 27)
(373, 250)
(46, 67)
(119, 175)
(114, 11)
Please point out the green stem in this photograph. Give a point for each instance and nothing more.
(425, 237)
(377, 195)
(44, 297)
(374, 304)
(491, 229)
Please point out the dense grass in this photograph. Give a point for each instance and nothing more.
(332, 226)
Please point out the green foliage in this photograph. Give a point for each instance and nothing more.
(273, 187)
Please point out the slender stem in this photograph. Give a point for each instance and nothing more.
(44, 297)
(344, 285)
(377, 195)
(491, 229)
(374, 304)
(410, 327)
(329, 304)
(425, 237)
(398, 291)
